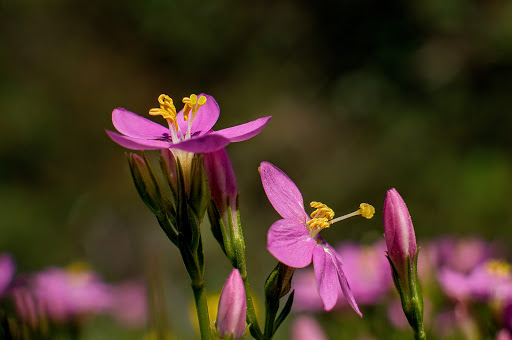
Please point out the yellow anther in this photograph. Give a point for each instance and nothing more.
(318, 223)
(321, 211)
(498, 267)
(367, 210)
(192, 104)
(166, 109)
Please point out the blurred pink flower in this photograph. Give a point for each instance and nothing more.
(491, 280)
(368, 270)
(7, 269)
(307, 328)
(461, 255)
(306, 296)
(64, 294)
(129, 303)
(504, 334)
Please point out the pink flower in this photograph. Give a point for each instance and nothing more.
(491, 280)
(232, 307)
(64, 294)
(189, 130)
(307, 328)
(295, 240)
(129, 303)
(7, 269)
(368, 271)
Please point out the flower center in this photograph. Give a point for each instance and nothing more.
(498, 268)
(168, 111)
(322, 217)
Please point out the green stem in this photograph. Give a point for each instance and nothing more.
(420, 335)
(202, 309)
(252, 319)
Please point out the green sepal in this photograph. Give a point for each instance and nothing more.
(276, 286)
(166, 223)
(199, 196)
(145, 182)
(285, 311)
(410, 295)
(221, 232)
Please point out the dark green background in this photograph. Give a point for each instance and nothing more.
(365, 95)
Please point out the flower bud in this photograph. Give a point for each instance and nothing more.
(146, 182)
(403, 257)
(398, 230)
(221, 179)
(232, 307)
(222, 211)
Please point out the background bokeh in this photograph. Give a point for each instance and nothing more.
(365, 95)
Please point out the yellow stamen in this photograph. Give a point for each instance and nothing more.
(323, 216)
(166, 110)
(318, 223)
(367, 210)
(322, 210)
(192, 104)
(498, 267)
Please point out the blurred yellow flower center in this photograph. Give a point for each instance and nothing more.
(498, 267)
(78, 267)
(323, 216)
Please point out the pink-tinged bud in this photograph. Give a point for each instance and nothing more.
(222, 210)
(403, 258)
(221, 179)
(398, 229)
(232, 307)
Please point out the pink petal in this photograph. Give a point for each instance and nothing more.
(345, 287)
(245, 131)
(133, 125)
(210, 142)
(282, 193)
(138, 144)
(206, 117)
(326, 277)
(329, 276)
(290, 243)
(206, 143)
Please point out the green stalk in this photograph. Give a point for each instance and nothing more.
(420, 335)
(202, 309)
(252, 319)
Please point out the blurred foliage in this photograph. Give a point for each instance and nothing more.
(365, 95)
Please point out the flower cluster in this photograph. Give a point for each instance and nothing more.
(59, 297)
